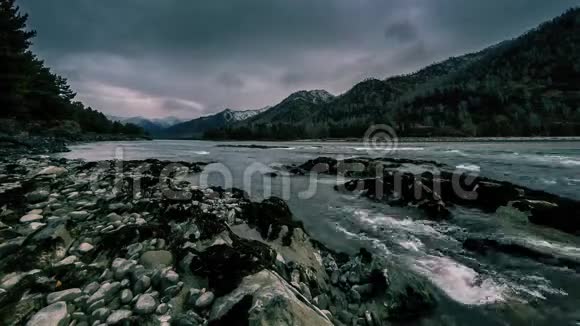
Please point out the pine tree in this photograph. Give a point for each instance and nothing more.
(14, 57)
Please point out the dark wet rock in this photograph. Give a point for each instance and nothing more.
(269, 217)
(356, 167)
(523, 248)
(390, 180)
(225, 266)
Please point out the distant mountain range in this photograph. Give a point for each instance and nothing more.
(527, 86)
(152, 126)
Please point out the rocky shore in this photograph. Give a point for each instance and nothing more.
(134, 242)
(436, 189)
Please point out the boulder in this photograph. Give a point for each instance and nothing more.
(65, 295)
(30, 218)
(204, 300)
(52, 170)
(146, 304)
(265, 298)
(55, 314)
(37, 196)
(118, 316)
(156, 259)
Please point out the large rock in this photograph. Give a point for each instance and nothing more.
(37, 196)
(265, 298)
(54, 315)
(106, 292)
(52, 170)
(156, 259)
(65, 295)
(30, 218)
(118, 316)
(146, 304)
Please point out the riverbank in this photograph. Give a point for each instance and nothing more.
(96, 242)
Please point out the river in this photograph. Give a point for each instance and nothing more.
(495, 289)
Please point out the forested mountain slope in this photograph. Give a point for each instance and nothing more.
(522, 87)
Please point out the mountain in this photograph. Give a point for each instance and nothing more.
(152, 126)
(197, 127)
(527, 86)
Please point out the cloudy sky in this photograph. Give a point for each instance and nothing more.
(183, 58)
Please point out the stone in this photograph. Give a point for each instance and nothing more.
(193, 295)
(91, 288)
(122, 267)
(101, 314)
(70, 260)
(65, 295)
(145, 305)
(96, 305)
(134, 249)
(118, 316)
(52, 170)
(322, 301)
(142, 284)
(78, 215)
(36, 225)
(265, 298)
(126, 296)
(305, 291)
(114, 217)
(106, 292)
(55, 314)
(156, 259)
(37, 196)
(30, 218)
(205, 300)
(85, 247)
(162, 309)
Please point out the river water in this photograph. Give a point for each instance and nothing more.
(495, 289)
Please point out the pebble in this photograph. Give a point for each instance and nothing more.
(65, 295)
(85, 247)
(145, 305)
(205, 300)
(30, 218)
(118, 316)
(126, 296)
(156, 259)
(162, 309)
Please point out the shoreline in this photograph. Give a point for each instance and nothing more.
(80, 243)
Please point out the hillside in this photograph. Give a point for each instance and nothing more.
(522, 87)
(33, 99)
(196, 128)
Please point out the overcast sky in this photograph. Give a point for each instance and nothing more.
(157, 58)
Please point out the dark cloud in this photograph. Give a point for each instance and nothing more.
(190, 58)
(401, 31)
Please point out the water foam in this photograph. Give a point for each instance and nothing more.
(469, 167)
(459, 282)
